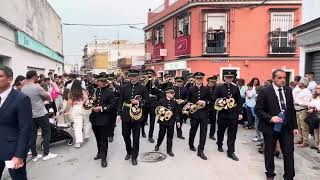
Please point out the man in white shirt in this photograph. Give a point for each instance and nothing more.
(312, 84)
(302, 97)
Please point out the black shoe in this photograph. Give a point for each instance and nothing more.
(151, 140)
(192, 148)
(97, 157)
(134, 162)
(220, 149)
(144, 135)
(110, 139)
(213, 138)
(104, 163)
(170, 153)
(128, 156)
(202, 156)
(181, 137)
(318, 151)
(156, 148)
(233, 156)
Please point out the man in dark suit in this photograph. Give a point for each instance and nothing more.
(15, 126)
(271, 102)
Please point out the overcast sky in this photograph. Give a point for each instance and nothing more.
(100, 12)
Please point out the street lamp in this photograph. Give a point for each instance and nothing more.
(134, 27)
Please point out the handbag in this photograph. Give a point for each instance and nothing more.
(312, 120)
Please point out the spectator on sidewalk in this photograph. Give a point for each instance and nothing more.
(312, 84)
(302, 97)
(19, 82)
(77, 97)
(315, 106)
(15, 126)
(258, 137)
(39, 114)
(250, 104)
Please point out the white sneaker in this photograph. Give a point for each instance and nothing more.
(35, 159)
(29, 153)
(255, 139)
(77, 145)
(49, 156)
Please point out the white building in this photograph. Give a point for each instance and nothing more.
(30, 37)
(308, 38)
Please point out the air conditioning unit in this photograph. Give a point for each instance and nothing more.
(148, 56)
(148, 36)
(163, 52)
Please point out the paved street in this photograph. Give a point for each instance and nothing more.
(79, 164)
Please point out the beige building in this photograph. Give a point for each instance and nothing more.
(104, 55)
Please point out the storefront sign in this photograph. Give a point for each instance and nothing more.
(27, 42)
(175, 65)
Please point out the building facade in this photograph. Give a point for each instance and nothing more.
(30, 37)
(308, 38)
(248, 37)
(114, 57)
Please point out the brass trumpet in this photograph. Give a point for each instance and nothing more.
(163, 113)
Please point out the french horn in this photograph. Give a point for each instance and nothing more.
(191, 108)
(135, 110)
(88, 104)
(163, 113)
(224, 103)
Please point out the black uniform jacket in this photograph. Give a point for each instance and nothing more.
(104, 98)
(128, 92)
(200, 93)
(226, 91)
(173, 106)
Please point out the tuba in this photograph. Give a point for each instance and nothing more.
(88, 104)
(163, 113)
(135, 111)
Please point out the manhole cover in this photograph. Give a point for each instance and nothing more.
(151, 157)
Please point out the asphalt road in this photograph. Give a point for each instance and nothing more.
(78, 164)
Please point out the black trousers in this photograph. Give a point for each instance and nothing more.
(44, 124)
(127, 128)
(101, 134)
(162, 132)
(113, 126)
(195, 123)
(213, 121)
(285, 138)
(183, 119)
(232, 125)
(19, 174)
(151, 111)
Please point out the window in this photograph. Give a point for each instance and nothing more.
(215, 33)
(182, 26)
(158, 35)
(280, 39)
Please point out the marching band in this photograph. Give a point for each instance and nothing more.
(142, 99)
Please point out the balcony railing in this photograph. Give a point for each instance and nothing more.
(156, 51)
(211, 50)
(283, 49)
(215, 43)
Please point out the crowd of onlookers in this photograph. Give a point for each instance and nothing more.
(306, 94)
